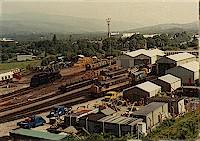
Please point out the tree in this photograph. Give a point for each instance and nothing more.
(4, 57)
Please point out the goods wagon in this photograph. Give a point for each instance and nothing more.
(138, 77)
(100, 64)
(101, 87)
(114, 73)
(44, 78)
(68, 88)
(6, 76)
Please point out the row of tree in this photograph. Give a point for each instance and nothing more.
(112, 46)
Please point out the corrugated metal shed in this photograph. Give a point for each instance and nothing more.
(180, 56)
(38, 134)
(120, 120)
(169, 78)
(148, 86)
(150, 53)
(148, 108)
(193, 66)
(108, 111)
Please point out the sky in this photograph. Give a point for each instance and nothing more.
(142, 12)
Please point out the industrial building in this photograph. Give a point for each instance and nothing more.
(171, 61)
(176, 105)
(25, 57)
(168, 83)
(141, 91)
(188, 72)
(33, 135)
(72, 119)
(113, 124)
(152, 114)
(141, 56)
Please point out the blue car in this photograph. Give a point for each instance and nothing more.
(31, 122)
(58, 111)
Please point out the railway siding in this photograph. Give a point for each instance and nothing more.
(47, 101)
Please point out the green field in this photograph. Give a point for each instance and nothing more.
(20, 65)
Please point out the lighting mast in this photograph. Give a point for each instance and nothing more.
(108, 20)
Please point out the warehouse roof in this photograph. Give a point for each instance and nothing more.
(180, 56)
(169, 78)
(94, 116)
(38, 134)
(193, 66)
(150, 53)
(120, 120)
(148, 108)
(148, 86)
(108, 111)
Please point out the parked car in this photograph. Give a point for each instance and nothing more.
(58, 111)
(31, 122)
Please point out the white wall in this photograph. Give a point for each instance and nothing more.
(175, 85)
(154, 92)
(181, 106)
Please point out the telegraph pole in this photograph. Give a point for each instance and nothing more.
(108, 20)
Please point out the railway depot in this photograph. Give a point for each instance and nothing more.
(152, 114)
(141, 91)
(168, 83)
(171, 61)
(141, 56)
(132, 100)
(189, 72)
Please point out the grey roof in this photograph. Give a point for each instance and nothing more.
(181, 56)
(108, 111)
(169, 78)
(38, 134)
(150, 52)
(94, 116)
(148, 86)
(148, 108)
(120, 120)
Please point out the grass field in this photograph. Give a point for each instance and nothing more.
(21, 65)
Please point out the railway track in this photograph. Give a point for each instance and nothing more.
(38, 103)
(45, 109)
(38, 106)
(46, 96)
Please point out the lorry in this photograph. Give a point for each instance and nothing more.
(31, 122)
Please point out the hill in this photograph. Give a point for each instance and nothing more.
(23, 23)
(44, 23)
(168, 28)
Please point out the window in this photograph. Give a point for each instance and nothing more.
(2, 78)
(5, 77)
(9, 76)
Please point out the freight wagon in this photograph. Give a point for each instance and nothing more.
(114, 73)
(44, 78)
(99, 64)
(138, 77)
(68, 88)
(101, 87)
(6, 76)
